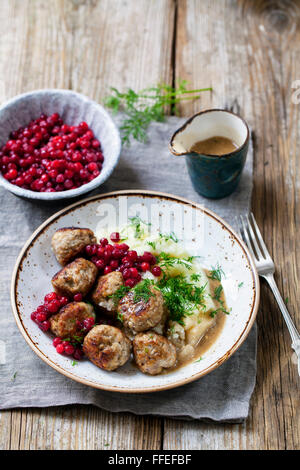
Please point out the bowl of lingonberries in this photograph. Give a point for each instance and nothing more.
(56, 144)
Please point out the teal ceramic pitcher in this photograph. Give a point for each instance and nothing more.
(213, 176)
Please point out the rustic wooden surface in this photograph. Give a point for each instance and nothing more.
(249, 52)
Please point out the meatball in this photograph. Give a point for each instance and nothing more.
(153, 353)
(107, 347)
(67, 243)
(77, 277)
(106, 286)
(68, 322)
(141, 315)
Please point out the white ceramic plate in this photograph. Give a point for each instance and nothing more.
(203, 232)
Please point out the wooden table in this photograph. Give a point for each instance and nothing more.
(249, 52)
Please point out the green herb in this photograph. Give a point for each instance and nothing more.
(216, 273)
(14, 376)
(150, 104)
(106, 445)
(195, 277)
(171, 236)
(181, 296)
(286, 300)
(218, 292)
(167, 261)
(136, 222)
(119, 294)
(198, 360)
(142, 291)
(240, 285)
(74, 363)
(146, 350)
(152, 244)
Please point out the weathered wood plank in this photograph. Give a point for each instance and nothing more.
(87, 46)
(249, 53)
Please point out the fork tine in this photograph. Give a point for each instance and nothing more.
(246, 236)
(253, 239)
(264, 249)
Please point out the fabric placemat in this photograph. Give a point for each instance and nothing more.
(26, 381)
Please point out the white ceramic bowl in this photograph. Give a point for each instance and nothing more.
(204, 233)
(73, 108)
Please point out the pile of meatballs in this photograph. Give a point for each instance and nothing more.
(107, 345)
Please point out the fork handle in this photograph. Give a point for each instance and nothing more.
(295, 336)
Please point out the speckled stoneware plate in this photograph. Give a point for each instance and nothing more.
(205, 235)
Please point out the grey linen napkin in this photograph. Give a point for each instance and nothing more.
(26, 381)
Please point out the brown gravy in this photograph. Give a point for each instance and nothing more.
(214, 146)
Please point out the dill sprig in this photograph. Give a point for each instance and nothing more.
(136, 222)
(181, 296)
(148, 105)
(216, 273)
(168, 261)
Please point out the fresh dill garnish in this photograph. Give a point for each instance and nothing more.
(195, 277)
(218, 292)
(136, 222)
(198, 360)
(181, 296)
(216, 273)
(240, 285)
(168, 261)
(14, 376)
(148, 105)
(152, 244)
(171, 236)
(142, 291)
(119, 294)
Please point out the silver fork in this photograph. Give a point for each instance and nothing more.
(265, 267)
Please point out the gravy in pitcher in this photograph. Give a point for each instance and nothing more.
(214, 146)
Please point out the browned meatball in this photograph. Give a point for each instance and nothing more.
(67, 243)
(153, 353)
(107, 347)
(106, 286)
(67, 322)
(141, 316)
(77, 277)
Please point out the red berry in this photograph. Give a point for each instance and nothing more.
(88, 323)
(45, 325)
(60, 348)
(115, 237)
(78, 353)
(78, 297)
(103, 242)
(100, 263)
(156, 271)
(134, 272)
(114, 264)
(107, 270)
(53, 306)
(49, 297)
(63, 301)
(56, 341)
(130, 283)
(132, 255)
(145, 266)
(40, 317)
(69, 349)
